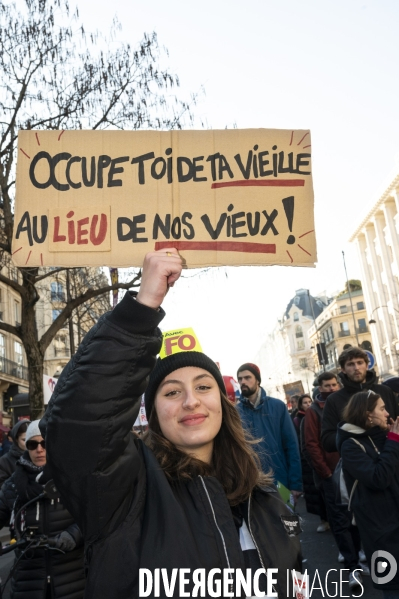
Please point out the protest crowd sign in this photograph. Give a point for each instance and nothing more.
(106, 198)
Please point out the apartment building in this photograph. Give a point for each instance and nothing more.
(337, 328)
(377, 242)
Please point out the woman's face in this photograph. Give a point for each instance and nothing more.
(37, 455)
(21, 441)
(306, 403)
(189, 410)
(379, 416)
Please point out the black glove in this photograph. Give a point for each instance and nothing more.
(64, 541)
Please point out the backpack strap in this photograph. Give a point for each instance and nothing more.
(356, 481)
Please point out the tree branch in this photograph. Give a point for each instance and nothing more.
(66, 313)
(13, 284)
(8, 328)
(48, 274)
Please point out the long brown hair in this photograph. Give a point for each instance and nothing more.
(360, 405)
(234, 462)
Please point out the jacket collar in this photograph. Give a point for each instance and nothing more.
(263, 397)
(351, 387)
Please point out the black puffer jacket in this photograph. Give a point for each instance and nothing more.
(336, 402)
(8, 462)
(131, 516)
(376, 497)
(63, 572)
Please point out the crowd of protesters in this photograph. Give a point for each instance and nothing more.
(199, 489)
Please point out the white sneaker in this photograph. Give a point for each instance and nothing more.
(323, 526)
(365, 569)
(362, 556)
(355, 579)
(341, 558)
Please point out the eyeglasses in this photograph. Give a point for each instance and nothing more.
(31, 444)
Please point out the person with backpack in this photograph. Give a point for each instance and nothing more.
(346, 535)
(369, 448)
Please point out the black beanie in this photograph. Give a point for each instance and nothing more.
(180, 360)
(252, 368)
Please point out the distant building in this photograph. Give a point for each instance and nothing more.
(336, 330)
(377, 242)
(286, 355)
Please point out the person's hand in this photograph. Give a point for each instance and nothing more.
(394, 426)
(161, 270)
(64, 541)
(296, 495)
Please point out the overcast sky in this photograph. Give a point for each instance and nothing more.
(327, 65)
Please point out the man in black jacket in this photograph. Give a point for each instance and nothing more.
(355, 377)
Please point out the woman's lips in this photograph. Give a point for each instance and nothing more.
(193, 419)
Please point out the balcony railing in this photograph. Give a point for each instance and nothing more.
(13, 369)
(344, 333)
(363, 329)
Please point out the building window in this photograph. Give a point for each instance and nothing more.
(296, 316)
(56, 313)
(331, 333)
(18, 353)
(362, 325)
(360, 305)
(2, 352)
(17, 314)
(298, 331)
(344, 332)
(300, 344)
(366, 345)
(57, 292)
(303, 363)
(343, 309)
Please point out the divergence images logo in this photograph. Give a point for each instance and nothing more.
(380, 560)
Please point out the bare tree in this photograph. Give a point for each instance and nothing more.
(54, 76)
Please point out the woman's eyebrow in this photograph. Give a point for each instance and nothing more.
(201, 376)
(174, 381)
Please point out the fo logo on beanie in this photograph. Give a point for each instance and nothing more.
(175, 342)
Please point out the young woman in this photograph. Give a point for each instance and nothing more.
(190, 498)
(41, 573)
(369, 449)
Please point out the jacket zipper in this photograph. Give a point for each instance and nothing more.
(45, 528)
(254, 542)
(214, 518)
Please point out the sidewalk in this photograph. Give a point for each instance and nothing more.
(320, 553)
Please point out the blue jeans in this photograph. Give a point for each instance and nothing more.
(391, 594)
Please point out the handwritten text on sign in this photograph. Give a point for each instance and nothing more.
(220, 197)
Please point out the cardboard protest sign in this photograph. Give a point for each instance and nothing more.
(106, 198)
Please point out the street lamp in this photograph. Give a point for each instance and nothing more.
(372, 321)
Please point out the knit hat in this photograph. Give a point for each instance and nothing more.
(172, 362)
(392, 383)
(15, 429)
(252, 368)
(33, 430)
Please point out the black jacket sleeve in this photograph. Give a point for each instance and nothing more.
(329, 424)
(8, 495)
(87, 424)
(375, 474)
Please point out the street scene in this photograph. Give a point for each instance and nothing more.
(199, 299)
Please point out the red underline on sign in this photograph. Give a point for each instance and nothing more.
(219, 246)
(261, 183)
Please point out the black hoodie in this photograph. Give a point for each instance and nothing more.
(376, 497)
(336, 402)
